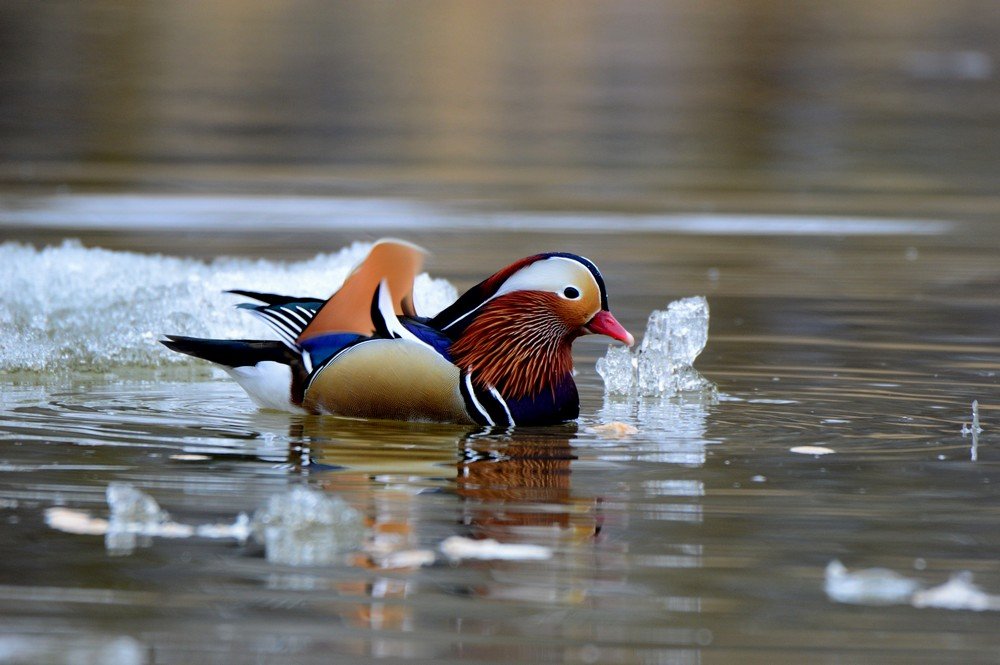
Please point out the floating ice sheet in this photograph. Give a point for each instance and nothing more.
(871, 586)
(881, 586)
(408, 559)
(69, 307)
(299, 527)
(69, 648)
(135, 516)
(135, 519)
(662, 365)
(70, 520)
(811, 450)
(958, 593)
(307, 527)
(457, 547)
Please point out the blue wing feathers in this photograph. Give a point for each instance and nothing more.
(435, 338)
(323, 347)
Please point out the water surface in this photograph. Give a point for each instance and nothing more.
(701, 538)
(825, 174)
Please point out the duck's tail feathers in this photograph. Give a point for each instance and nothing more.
(288, 319)
(231, 352)
(271, 373)
(274, 298)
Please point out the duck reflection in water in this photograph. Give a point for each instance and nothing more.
(419, 484)
(515, 485)
(519, 489)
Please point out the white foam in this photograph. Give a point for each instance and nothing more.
(69, 307)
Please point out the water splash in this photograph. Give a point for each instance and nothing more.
(70, 307)
(663, 364)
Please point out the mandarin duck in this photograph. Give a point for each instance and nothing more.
(498, 356)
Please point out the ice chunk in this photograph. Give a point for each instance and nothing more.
(880, 586)
(958, 593)
(617, 368)
(306, 527)
(70, 307)
(975, 430)
(662, 365)
(70, 520)
(811, 450)
(135, 516)
(871, 586)
(685, 326)
(130, 504)
(409, 559)
(688, 379)
(655, 371)
(238, 529)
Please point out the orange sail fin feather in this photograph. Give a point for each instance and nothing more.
(349, 309)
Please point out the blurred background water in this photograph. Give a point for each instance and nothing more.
(825, 173)
(721, 105)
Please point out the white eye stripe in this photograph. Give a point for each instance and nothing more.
(551, 274)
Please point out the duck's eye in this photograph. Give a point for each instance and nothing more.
(571, 292)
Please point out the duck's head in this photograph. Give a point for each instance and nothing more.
(524, 318)
(569, 287)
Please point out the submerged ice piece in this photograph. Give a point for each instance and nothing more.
(871, 586)
(133, 515)
(662, 366)
(307, 527)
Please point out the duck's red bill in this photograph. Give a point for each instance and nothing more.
(606, 324)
